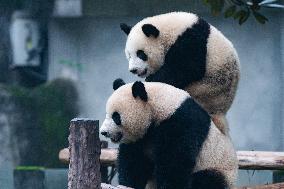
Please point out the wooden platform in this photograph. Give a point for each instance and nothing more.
(248, 160)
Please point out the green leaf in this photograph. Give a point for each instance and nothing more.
(240, 14)
(259, 17)
(216, 6)
(244, 17)
(230, 11)
(206, 1)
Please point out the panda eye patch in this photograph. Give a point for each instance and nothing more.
(141, 54)
(116, 118)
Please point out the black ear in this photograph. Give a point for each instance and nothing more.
(150, 30)
(138, 90)
(125, 28)
(117, 83)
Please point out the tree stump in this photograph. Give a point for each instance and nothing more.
(85, 149)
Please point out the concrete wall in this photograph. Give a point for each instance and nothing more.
(96, 43)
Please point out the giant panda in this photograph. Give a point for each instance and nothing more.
(167, 140)
(183, 50)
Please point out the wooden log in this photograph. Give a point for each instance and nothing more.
(64, 155)
(107, 157)
(108, 186)
(260, 160)
(84, 146)
(248, 160)
(269, 186)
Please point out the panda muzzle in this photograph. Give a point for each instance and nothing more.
(116, 138)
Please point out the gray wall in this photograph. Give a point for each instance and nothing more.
(96, 42)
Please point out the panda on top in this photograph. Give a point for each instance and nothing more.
(183, 50)
(167, 140)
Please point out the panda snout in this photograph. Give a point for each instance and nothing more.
(134, 71)
(104, 133)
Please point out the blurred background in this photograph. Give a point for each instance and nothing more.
(58, 59)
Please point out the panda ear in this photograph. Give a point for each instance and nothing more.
(150, 30)
(138, 90)
(125, 28)
(117, 83)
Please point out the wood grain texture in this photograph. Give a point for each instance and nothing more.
(84, 150)
(248, 160)
(260, 160)
(269, 186)
(108, 186)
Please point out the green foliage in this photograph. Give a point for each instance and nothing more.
(241, 10)
(55, 104)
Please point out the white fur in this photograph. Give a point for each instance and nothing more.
(222, 62)
(217, 151)
(170, 25)
(137, 115)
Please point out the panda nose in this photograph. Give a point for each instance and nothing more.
(104, 133)
(134, 71)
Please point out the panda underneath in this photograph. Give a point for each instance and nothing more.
(185, 51)
(171, 145)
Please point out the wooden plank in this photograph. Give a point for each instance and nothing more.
(108, 186)
(269, 186)
(248, 160)
(261, 160)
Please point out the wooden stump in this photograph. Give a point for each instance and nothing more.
(84, 147)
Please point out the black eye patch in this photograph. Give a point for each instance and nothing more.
(140, 54)
(116, 118)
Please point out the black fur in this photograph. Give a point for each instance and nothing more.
(212, 179)
(138, 90)
(125, 28)
(116, 118)
(176, 144)
(134, 169)
(117, 83)
(141, 54)
(150, 30)
(185, 61)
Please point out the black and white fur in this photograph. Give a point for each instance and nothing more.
(185, 51)
(167, 140)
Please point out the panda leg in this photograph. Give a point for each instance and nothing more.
(209, 178)
(134, 169)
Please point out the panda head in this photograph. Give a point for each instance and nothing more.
(128, 114)
(149, 40)
(144, 48)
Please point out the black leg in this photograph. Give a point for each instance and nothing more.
(134, 169)
(173, 165)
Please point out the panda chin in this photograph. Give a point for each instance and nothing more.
(117, 138)
(143, 74)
